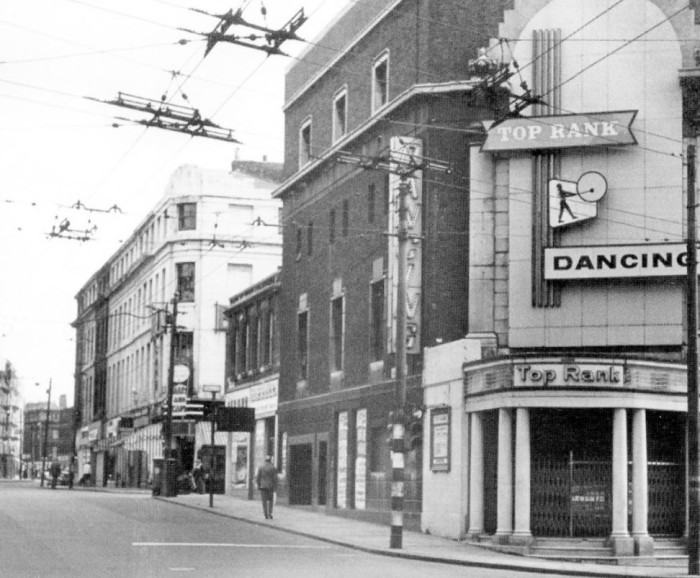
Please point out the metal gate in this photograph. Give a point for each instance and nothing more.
(666, 498)
(571, 498)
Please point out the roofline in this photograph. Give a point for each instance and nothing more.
(331, 63)
(414, 91)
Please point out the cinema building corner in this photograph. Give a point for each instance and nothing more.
(558, 424)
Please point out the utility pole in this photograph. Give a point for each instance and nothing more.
(168, 482)
(398, 455)
(692, 354)
(46, 435)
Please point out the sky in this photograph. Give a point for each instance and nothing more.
(59, 147)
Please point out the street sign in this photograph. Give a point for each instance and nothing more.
(215, 388)
(181, 373)
(236, 419)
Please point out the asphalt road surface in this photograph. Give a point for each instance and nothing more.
(63, 533)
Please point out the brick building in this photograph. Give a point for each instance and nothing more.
(389, 87)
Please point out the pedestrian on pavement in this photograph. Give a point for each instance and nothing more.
(71, 472)
(87, 474)
(198, 475)
(266, 479)
(55, 471)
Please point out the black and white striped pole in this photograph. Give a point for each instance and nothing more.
(398, 456)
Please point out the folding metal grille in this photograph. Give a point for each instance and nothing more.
(666, 498)
(571, 498)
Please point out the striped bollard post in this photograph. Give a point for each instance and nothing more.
(397, 483)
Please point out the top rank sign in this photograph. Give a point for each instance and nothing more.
(562, 131)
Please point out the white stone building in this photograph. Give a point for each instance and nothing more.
(211, 235)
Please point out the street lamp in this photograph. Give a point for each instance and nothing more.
(46, 434)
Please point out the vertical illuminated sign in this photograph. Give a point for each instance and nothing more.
(405, 151)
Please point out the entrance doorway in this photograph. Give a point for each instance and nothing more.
(300, 474)
(571, 492)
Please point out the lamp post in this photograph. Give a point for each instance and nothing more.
(46, 434)
(214, 389)
(168, 484)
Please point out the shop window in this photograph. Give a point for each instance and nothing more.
(187, 216)
(380, 82)
(185, 281)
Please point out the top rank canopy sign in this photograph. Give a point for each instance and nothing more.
(562, 131)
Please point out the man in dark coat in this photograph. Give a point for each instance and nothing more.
(267, 483)
(55, 471)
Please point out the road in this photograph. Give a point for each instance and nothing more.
(64, 533)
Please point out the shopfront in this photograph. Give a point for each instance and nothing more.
(559, 448)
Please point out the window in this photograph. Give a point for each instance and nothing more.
(346, 217)
(300, 242)
(376, 344)
(254, 329)
(187, 216)
(310, 238)
(371, 200)
(380, 82)
(265, 333)
(340, 113)
(185, 281)
(336, 344)
(305, 143)
(331, 227)
(303, 344)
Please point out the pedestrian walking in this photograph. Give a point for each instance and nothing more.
(55, 471)
(71, 472)
(198, 475)
(87, 474)
(266, 479)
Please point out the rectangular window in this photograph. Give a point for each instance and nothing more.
(331, 227)
(254, 328)
(346, 217)
(305, 143)
(265, 334)
(185, 281)
(300, 242)
(340, 112)
(310, 238)
(337, 334)
(371, 200)
(380, 82)
(187, 216)
(303, 344)
(377, 321)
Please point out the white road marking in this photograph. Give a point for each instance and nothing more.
(220, 545)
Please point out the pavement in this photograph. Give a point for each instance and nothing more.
(374, 538)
